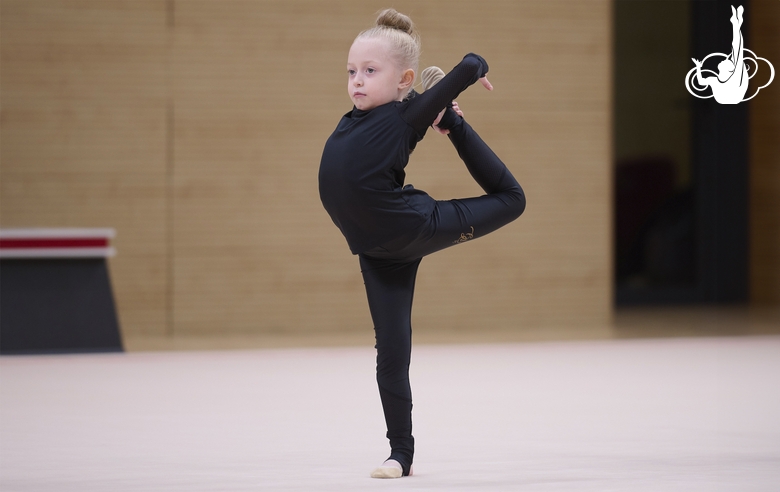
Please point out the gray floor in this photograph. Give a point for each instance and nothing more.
(679, 414)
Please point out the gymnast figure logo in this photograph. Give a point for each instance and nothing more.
(734, 72)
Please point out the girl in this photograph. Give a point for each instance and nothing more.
(391, 226)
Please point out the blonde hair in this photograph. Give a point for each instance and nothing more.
(398, 29)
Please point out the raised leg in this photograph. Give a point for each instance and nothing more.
(736, 35)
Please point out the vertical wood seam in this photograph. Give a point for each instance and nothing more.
(169, 175)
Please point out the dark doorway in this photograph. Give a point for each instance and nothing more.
(680, 196)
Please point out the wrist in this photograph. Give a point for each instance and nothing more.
(449, 120)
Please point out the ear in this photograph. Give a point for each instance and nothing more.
(407, 79)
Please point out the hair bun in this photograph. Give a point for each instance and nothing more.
(393, 19)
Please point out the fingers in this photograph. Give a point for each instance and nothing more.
(436, 122)
(457, 109)
(486, 83)
(438, 118)
(442, 131)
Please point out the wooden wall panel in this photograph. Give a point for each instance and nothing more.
(84, 133)
(196, 127)
(260, 86)
(764, 32)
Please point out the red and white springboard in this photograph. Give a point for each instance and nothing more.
(56, 243)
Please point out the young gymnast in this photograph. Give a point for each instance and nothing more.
(391, 227)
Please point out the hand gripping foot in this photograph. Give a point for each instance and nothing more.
(448, 118)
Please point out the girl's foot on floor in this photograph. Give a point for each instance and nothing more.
(389, 469)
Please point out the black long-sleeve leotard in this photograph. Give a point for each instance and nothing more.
(361, 177)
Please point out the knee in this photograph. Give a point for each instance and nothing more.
(393, 362)
(517, 201)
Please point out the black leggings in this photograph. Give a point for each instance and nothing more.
(389, 274)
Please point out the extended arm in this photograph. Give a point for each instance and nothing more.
(701, 80)
(423, 109)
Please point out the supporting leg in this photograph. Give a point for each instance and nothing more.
(390, 291)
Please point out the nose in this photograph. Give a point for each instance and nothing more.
(357, 81)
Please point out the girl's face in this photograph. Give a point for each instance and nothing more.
(374, 79)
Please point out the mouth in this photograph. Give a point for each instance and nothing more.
(358, 94)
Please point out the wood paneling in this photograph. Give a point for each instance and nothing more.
(259, 87)
(196, 128)
(83, 140)
(764, 29)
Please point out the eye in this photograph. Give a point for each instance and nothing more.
(370, 70)
(350, 71)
